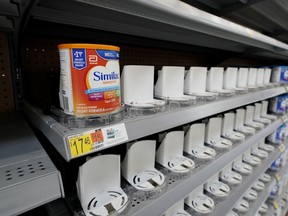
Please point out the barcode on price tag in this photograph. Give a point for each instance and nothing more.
(95, 140)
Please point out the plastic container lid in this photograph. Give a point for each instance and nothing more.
(88, 46)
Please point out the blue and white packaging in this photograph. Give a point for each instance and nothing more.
(280, 74)
(279, 135)
(278, 104)
(277, 164)
(274, 192)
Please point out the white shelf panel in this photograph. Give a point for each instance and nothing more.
(227, 205)
(183, 188)
(264, 194)
(271, 210)
(146, 125)
(169, 20)
(285, 211)
(28, 178)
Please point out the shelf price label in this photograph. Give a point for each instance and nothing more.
(284, 118)
(80, 144)
(278, 177)
(97, 139)
(281, 147)
(276, 204)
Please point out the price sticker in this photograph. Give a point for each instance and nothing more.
(284, 118)
(80, 144)
(278, 177)
(97, 139)
(281, 147)
(276, 204)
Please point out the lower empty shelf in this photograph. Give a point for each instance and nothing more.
(28, 178)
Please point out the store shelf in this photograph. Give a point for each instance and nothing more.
(182, 189)
(285, 211)
(6, 24)
(265, 194)
(171, 21)
(271, 210)
(28, 177)
(253, 209)
(146, 125)
(227, 205)
(8, 9)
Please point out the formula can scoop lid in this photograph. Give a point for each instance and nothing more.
(88, 46)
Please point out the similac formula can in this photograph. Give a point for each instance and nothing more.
(89, 79)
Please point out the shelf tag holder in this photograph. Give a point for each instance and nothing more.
(97, 139)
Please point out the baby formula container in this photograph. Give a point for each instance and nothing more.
(89, 79)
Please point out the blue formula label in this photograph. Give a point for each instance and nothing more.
(108, 54)
(79, 59)
(284, 74)
(281, 104)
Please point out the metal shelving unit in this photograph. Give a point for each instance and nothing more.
(7, 9)
(285, 211)
(227, 205)
(171, 21)
(143, 126)
(28, 178)
(271, 211)
(264, 194)
(183, 188)
(24, 170)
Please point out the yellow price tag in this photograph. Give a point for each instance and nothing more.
(80, 144)
(276, 204)
(281, 147)
(284, 118)
(278, 177)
